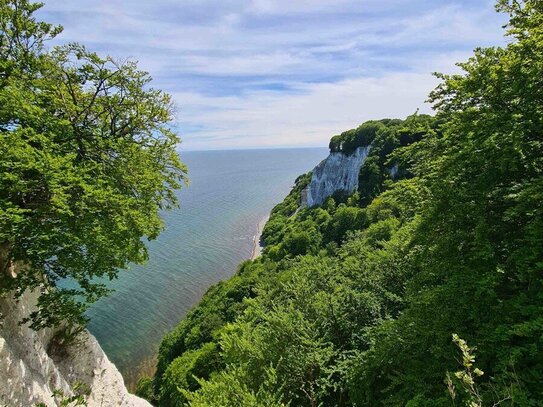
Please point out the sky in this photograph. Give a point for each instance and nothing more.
(282, 73)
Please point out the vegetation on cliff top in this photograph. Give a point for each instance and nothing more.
(380, 300)
(87, 160)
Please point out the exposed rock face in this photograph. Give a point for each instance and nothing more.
(338, 172)
(30, 372)
(393, 171)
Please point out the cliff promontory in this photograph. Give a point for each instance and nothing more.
(338, 172)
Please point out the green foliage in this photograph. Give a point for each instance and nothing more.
(363, 135)
(480, 236)
(144, 389)
(303, 315)
(185, 371)
(228, 390)
(354, 304)
(88, 161)
(344, 219)
(384, 162)
(465, 379)
(79, 398)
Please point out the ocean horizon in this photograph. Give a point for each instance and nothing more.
(231, 192)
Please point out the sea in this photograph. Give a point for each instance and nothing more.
(231, 192)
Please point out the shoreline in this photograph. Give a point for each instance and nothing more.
(257, 245)
(147, 367)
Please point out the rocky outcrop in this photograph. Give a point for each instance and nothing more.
(32, 370)
(393, 171)
(338, 172)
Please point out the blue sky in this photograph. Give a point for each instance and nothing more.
(281, 73)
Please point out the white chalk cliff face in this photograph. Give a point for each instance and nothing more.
(30, 372)
(338, 172)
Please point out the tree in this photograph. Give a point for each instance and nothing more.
(87, 162)
(480, 235)
(345, 219)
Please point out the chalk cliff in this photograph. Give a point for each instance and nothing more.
(338, 172)
(31, 372)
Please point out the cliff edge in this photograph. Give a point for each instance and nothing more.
(34, 371)
(338, 172)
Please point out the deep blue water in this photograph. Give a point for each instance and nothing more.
(205, 239)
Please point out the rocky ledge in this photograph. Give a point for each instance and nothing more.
(33, 371)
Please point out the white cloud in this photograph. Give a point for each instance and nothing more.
(332, 63)
(309, 118)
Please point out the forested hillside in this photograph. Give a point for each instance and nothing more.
(423, 289)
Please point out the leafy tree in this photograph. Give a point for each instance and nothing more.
(228, 389)
(345, 219)
(144, 389)
(186, 372)
(88, 161)
(301, 242)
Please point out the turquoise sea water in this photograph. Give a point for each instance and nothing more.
(205, 239)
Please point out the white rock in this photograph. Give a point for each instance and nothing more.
(393, 171)
(338, 172)
(29, 374)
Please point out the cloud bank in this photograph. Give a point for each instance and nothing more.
(278, 73)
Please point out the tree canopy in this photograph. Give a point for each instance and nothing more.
(87, 161)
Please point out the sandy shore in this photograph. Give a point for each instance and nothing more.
(257, 247)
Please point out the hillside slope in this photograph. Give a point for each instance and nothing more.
(419, 289)
(301, 244)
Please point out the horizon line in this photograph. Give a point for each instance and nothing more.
(251, 148)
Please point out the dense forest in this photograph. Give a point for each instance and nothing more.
(422, 288)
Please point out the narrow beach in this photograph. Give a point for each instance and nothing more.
(257, 248)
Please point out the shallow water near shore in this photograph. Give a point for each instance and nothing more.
(230, 193)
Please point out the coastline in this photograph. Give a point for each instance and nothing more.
(147, 367)
(257, 245)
